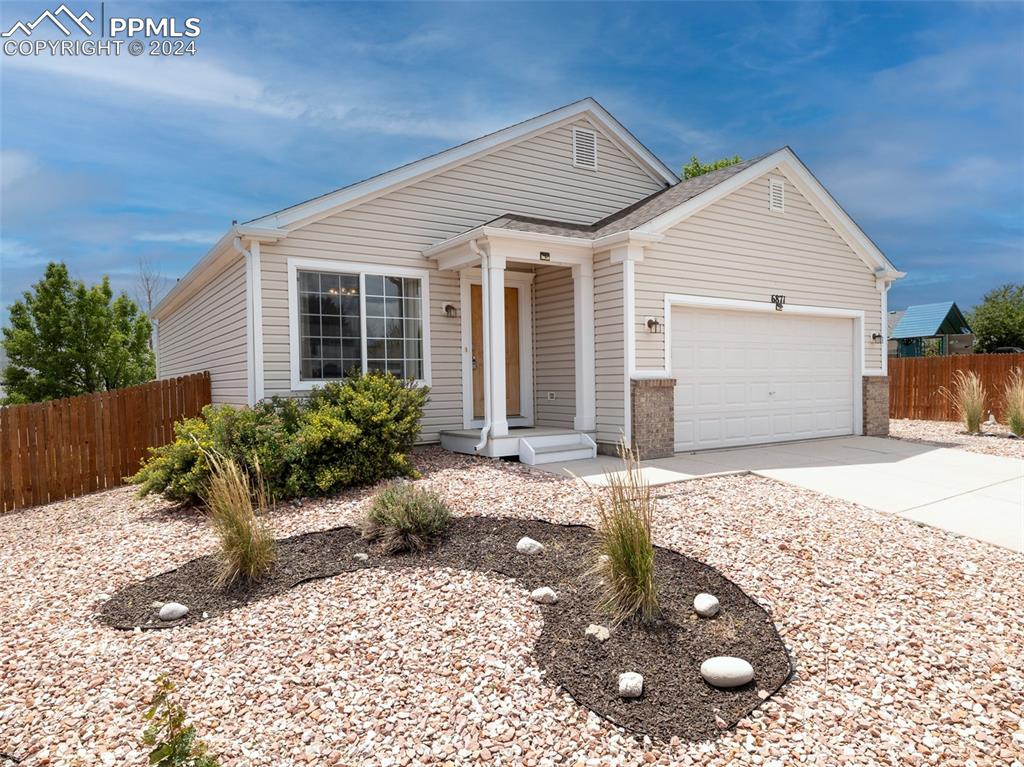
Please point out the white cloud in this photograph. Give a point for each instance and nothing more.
(15, 166)
(188, 80)
(212, 86)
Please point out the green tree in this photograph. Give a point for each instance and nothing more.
(696, 168)
(65, 339)
(999, 319)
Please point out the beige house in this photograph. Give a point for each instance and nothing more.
(559, 289)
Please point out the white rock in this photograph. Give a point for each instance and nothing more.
(361, 557)
(600, 633)
(544, 595)
(172, 611)
(631, 685)
(706, 605)
(156, 605)
(529, 546)
(725, 671)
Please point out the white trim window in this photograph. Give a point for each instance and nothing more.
(345, 317)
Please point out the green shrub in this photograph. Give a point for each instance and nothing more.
(249, 436)
(246, 543)
(625, 553)
(356, 431)
(171, 740)
(1013, 393)
(403, 517)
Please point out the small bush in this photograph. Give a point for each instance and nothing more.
(357, 431)
(403, 517)
(625, 553)
(246, 544)
(248, 436)
(1013, 394)
(171, 740)
(968, 397)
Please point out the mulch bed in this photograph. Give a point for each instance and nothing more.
(676, 700)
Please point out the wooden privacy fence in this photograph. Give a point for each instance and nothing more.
(914, 383)
(69, 447)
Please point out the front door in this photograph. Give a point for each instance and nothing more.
(513, 398)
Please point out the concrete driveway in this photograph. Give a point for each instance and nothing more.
(980, 496)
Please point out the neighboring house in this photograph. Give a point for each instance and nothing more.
(556, 284)
(929, 330)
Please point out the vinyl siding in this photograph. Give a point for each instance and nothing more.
(554, 347)
(609, 349)
(737, 249)
(207, 332)
(533, 177)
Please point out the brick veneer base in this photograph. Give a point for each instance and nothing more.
(876, 406)
(653, 417)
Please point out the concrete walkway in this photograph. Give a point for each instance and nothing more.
(976, 495)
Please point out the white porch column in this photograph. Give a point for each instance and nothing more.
(494, 273)
(583, 306)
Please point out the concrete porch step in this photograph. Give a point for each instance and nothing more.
(556, 448)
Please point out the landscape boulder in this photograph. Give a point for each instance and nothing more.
(529, 546)
(631, 685)
(172, 611)
(544, 596)
(706, 605)
(726, 671)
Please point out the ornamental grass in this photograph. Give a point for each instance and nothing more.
(237, 506)
(968, 399)
(625, 562)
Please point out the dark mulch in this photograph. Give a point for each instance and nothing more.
(676, 700)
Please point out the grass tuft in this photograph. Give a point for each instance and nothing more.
(238, 506)
(404, 517)
(1013, 394)
(968, 397)
(625, 553)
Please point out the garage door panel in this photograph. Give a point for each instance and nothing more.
(744, 378)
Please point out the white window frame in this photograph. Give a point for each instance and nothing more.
(593, 134)
(295, 265)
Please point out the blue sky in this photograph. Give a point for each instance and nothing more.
(911, 114)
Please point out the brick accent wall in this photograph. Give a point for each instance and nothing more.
(653, 419)
(876, 406)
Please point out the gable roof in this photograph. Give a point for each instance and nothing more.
(632, 216)
(662, 210)
(926, 320)
(331, 202)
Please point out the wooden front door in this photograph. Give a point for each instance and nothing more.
(513, 400)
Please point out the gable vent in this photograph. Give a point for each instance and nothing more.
(776, 195)
(584, 148)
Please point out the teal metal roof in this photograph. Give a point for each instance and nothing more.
(926, 320)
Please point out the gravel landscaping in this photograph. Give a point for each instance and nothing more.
(994, 440)
(906, 641)
(675, 703)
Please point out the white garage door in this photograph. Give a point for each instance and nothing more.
(744, 378)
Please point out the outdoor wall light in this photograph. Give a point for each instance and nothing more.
(653, 325)
(450, 311)
(876, 337)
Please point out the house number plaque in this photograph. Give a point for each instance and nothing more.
(779, 301)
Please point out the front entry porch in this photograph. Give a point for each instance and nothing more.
(527, 348)
(532, 445)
